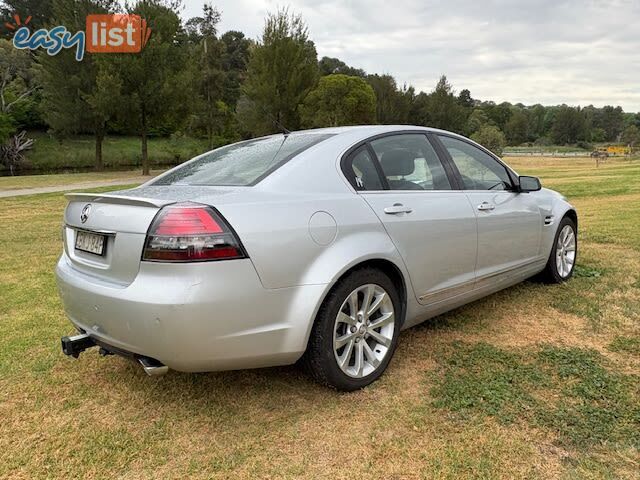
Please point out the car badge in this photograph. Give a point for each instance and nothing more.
(85, 213)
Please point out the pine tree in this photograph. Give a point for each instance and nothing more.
(282, 70)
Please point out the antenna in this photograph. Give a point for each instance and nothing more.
(284, 129)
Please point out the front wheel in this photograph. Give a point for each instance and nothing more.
(355, 332)
(562, 259)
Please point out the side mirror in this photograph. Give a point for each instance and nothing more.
(529, 184)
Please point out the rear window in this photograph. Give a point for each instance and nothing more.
(241, 164)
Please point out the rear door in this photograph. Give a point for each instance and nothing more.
(431, 224)
(509, 223)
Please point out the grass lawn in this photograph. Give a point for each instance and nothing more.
(119, 152)
(534, 382)
(62, 179)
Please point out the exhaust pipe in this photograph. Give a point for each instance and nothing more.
(152, 367)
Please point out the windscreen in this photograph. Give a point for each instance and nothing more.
(241, 164)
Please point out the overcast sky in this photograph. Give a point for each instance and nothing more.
(578, 52)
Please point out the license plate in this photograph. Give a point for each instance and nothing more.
(90, 242)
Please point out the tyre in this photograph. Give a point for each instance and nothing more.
(355, 332)
(564, 252)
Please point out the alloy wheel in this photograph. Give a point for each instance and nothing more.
(363, 330)
(565, 251)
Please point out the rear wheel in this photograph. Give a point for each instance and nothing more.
(355, 332)
(562, 259)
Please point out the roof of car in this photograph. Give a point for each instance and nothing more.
(373, 129)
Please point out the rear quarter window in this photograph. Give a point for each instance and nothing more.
(241, 164)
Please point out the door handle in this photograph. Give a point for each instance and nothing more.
(485, 206)
(397, 208)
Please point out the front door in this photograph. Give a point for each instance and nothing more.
(509, 223)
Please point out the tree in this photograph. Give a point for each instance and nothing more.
(329, 66)
(516, 128)
(535, 125)
(465, 100)
(568, 126)
(17, 74)
(207, 74)
(73, 100)
(631, 136)
(19, 88)
(103, 101)
(339, 100)
(7, 127)
(598, 135)
(440, 109)
(476, 121)
(498, 114)
(15, 86)
(392, 104)
(155, 81)
(234, 63)
(418, 109)
(283, 69)
(39, 10)
(611, 120)
(491, 138)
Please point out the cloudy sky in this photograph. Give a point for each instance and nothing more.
(578, 52)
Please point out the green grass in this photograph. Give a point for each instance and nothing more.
(568, 391)
(119, 152)
(592, 405)
(622, 344)
(534, 382)
(482, 378)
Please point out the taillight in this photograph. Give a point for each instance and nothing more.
(190, 232)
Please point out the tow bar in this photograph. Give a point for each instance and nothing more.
(76, 344)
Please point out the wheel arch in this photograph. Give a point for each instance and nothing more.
(569, 212)
(386, 266)
(573, 215)
(558, 209)
(391, 270)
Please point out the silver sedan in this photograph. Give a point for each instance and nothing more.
(321, 245)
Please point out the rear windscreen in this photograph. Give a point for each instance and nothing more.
(241, 164)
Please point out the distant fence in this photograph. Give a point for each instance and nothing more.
(620, 151)
(544, 154)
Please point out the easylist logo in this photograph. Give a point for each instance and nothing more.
(104, 34)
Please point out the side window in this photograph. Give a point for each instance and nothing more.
(361, 171)
(479, 170)
(409, 162)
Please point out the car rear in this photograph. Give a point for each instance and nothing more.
(160, 275)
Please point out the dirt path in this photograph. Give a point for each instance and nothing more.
(72, 186)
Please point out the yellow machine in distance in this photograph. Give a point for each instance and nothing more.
(614, 150)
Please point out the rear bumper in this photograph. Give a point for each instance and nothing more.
(193, 317)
